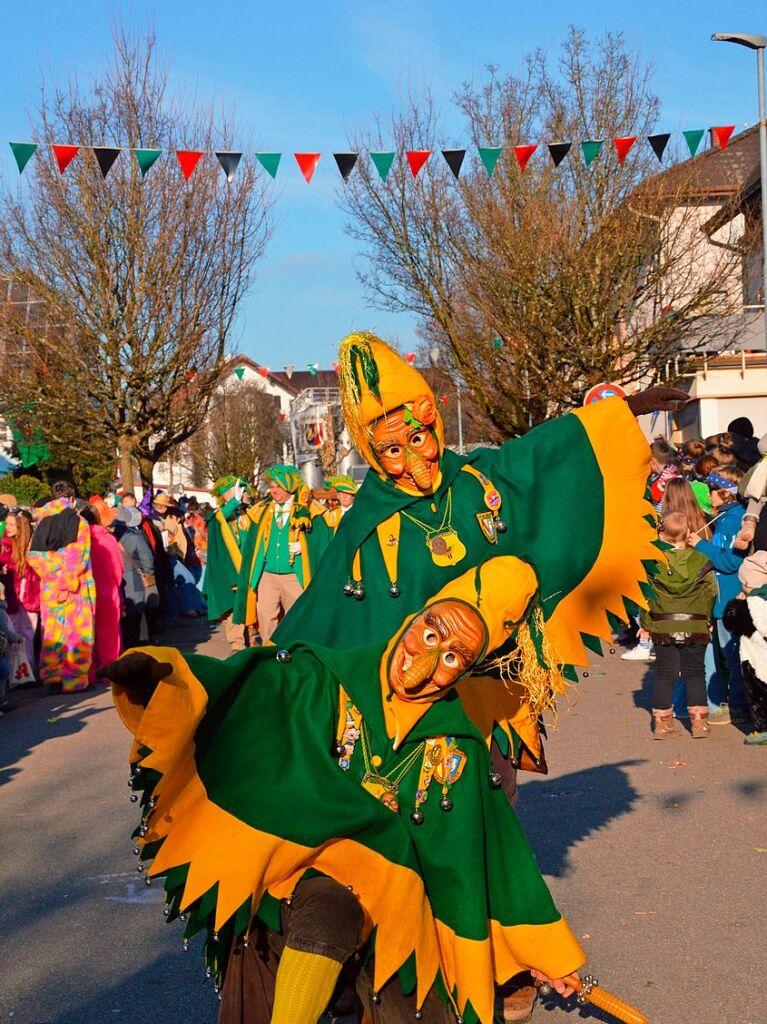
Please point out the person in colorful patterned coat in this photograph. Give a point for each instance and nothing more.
(60, 554)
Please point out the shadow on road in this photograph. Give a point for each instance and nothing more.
(558, 813)
(33, 723)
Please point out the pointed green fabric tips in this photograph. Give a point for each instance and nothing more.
(383, 162)
(145, 158)
(592, 643)
(489, 156)
(270, 162)
(692, 138)
(590, 148)
(22, 152)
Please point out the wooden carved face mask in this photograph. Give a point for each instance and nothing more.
(436, 649)
(408, 452)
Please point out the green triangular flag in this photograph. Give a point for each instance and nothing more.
(313, 368)
(270, 162)
(22, 151)
(590, 149)
(145, 158)
(692, 138)
(489, 157)
(239, 372)
(497, 342)
(383, 162)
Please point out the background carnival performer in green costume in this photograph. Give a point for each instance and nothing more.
(227, 528)
(365, 767)
(342, 490)
(276, 560)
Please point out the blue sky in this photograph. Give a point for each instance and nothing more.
(301, 74)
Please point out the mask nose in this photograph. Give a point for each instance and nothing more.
(423, 668)
(418, 468)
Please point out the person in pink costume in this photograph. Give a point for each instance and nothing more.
(22, 584)
(60, 555)
(107, 568)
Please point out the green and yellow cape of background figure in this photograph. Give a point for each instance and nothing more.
(256, 771)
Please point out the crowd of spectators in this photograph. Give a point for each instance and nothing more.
(81, 580)
(710, 496)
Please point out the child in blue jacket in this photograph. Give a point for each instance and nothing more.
(724, 679)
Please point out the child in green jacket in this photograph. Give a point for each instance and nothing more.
(678, 619)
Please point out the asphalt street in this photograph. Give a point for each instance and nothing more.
(655, 852)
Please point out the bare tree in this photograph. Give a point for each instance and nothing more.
(242, 434)
(140, 280)
(538, 284)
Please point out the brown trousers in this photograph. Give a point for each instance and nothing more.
(277, 593)
(323, 917)
(238, 636)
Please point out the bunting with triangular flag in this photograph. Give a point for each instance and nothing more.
(692, 138)
(590, 148)
(659, 143)
(239, 372)
(64, 156)
(313, 368)
(558, 151)
(145, 158)
(383, 162)
(229, 162)
(523, 154)
(289, 368)
(489, 157)
(308, 164)
(410, 358)
(454, 159)
(416, 158)
(264, 371)
(188, 160)
(497, 342)
(22, 153)
(722, 134)
(623, 146)
(105, 158)
(345, 163)
(270, 162)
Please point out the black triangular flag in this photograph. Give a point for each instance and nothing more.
(559, 151)
(105, 157)
(659, 143)
(229, 162)
(345, 163)
(454, 159)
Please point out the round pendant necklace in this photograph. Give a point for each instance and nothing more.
(444, 544)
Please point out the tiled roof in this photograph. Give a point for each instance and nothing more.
(718, 172)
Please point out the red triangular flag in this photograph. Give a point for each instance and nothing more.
(417, 158)
(623, 145)
(443, 399)
(188, 160)
(723, 133)
(308, 164)
(336, 365)
(264, 371)
(282, 416)
(410, 357)
(523, 154)
(64, 156)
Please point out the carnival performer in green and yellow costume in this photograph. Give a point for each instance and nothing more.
(227, 528)
(368, 768)
(569, 496)
(276, 561)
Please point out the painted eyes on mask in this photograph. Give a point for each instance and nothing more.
(450, 659)
(417, 440)
(430, 637)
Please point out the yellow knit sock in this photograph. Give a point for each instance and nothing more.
(304, 985)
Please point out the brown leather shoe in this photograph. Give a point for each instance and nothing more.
(518, 1007)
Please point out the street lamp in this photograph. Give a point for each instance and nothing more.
(757, 43)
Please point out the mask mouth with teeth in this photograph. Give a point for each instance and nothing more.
(436, 649)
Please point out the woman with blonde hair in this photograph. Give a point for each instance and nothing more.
(680, 497)
(22, 584)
